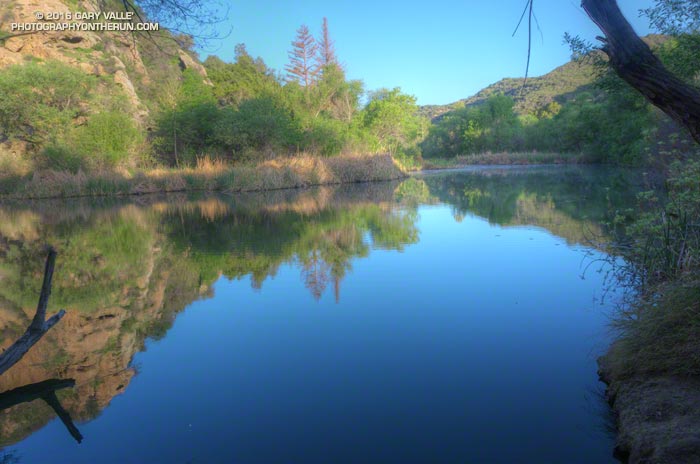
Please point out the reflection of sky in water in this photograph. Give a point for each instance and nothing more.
(475, 344)
(457, 331)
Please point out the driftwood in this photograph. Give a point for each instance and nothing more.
(46, 391)
(634, 62)
(39, 325)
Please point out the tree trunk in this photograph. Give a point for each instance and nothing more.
(634, 62)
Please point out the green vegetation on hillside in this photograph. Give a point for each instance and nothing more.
(122, 122)
(530, 96)
(130, 120)
(582, 109)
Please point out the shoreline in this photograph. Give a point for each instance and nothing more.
(277, 174)
(652, 375)
(657, 416)
(504, 159)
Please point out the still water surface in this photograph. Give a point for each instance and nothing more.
(453, 317)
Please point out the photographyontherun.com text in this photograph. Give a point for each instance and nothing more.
(73, 21)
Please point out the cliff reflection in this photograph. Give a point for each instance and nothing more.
(127, 268)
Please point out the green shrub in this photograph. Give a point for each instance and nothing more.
(259, 124)
(38, 102)
(106, 140)
(61, 158)
(325, 137)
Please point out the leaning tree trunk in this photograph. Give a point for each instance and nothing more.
(634, 62)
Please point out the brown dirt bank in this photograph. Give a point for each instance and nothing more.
(658, 416)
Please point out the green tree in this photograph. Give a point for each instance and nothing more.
(334, 96)
(106, 140)
(391, 117)
(260, 124)
(244, 79)
(187, 129)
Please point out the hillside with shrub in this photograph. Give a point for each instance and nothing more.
(121, 106)
(580, 112)
(529, 96)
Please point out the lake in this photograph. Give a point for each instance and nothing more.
(452, 317)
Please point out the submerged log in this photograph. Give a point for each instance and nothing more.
(39, 325)
(634, 62)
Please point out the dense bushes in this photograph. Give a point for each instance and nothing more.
(63, 116)
(493, 126)
(258, 116)
(259, 124)
(663, 242)
(107, 139)
(39, 102)
(244, 111)
(607, 122)
(612, 129)
(661, 250)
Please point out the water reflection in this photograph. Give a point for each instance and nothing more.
(128, 267)
(575, 203)
(45, 391)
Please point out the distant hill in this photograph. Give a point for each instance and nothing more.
(559, 85)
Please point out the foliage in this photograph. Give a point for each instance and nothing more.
(259, 124)
(680, 55)
(390, 116)
(674, 16)
(249, 114)
(661, 248)
(61, 158)
(244, 79)
(187, 129)
(333, 96)
(491, 126)
(609, 124)
(106, 140)
(40, 101)
(664, 240)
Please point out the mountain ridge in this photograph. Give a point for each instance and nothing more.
(559, 85)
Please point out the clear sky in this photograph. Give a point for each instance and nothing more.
(439, 51)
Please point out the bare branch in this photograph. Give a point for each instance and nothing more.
(38, 326)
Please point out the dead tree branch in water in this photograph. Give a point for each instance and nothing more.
(46, 391)
(39, 325)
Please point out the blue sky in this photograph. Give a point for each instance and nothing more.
(438, 51)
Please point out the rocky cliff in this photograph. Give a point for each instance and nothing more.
(139, 64)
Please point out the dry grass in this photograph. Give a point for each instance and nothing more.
(12, 164)
(502, 158)
(659, 333)
(208, 175)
